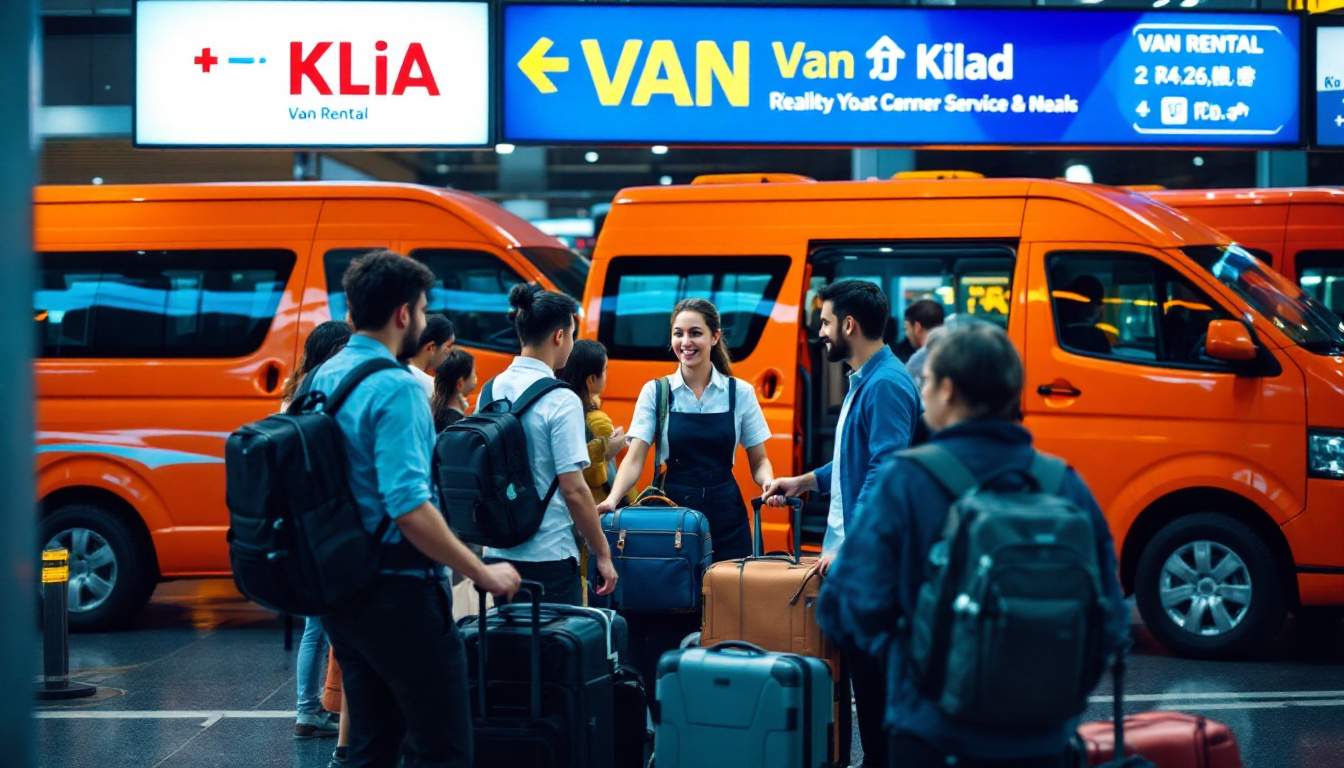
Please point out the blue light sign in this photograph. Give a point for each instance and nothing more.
(853, 76)
(1330, 86)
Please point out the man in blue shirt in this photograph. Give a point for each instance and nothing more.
(877, 418)
(971, 394)
(403, 663)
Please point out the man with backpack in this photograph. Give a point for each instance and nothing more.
(405, 670)
(878, 418)
(557, 448)
(983, 571)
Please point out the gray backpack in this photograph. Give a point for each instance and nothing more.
(1008, 628)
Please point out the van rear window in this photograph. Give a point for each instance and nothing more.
(117, 304)
(640, 292)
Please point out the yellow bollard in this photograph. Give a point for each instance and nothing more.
(54, 684)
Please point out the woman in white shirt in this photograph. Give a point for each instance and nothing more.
(710, 414)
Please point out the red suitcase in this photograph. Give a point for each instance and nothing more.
(1161, 739)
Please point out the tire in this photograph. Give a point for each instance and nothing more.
(1229, 569)
(112, 570)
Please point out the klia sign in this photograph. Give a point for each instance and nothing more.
(312, 74)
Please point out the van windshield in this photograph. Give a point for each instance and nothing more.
(567, 269)
(1306, 321)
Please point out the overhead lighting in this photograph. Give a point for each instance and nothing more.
(658, 149)
(96, 180)
(1078, 173)
(665, 180)
(1189, 3)
(441, 168)
(590, 157)
(1198, 160)
(1160, 3)
(504, 149)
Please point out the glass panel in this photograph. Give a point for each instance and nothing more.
(472, 289)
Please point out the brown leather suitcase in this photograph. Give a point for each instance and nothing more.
(770, 601)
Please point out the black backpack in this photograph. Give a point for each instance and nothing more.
(1008, 629)
(297, 541)
(484, 474)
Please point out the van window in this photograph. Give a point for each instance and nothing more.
(472, 289)
(118, 304)
(334, 264)
(639, 294)
(966, 279)
(1129, 307)
(566, 268)
(1321, 275)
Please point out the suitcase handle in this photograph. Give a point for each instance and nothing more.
(534, 591)
(757, 541)
(737, 645)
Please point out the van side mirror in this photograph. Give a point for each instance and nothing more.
(1230, 341)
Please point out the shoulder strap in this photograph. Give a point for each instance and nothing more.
(1049, 472)
(662, 391)
(945, 468)
(732, 396)
(353, 378)
(539, 389)
(487, 395)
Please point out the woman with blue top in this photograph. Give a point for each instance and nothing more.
(710, 414)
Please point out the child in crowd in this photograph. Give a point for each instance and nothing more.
(586, 374)
(454, 380)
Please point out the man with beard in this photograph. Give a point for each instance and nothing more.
(405, 671)
(877, 419)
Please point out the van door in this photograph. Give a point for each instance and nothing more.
(1118, 384)
(970, 278)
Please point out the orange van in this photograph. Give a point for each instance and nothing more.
(167, 316)
(1198, 394)
(1299, 231)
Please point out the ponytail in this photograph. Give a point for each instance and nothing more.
(719, 356)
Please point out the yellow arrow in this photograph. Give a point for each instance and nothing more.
(535, 64)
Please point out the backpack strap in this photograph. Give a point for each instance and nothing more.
(539, 389)
(662, 390)
(946, 468)
(1048, 472)
(353, 378)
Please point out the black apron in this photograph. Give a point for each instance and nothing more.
(700, 449)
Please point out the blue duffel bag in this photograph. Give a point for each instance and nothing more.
(660, 551)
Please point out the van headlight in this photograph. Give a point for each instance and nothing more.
(1325, 454)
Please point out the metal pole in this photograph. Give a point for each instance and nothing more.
(56, 685)
(18, 547)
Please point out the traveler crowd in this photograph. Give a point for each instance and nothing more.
(404, 667)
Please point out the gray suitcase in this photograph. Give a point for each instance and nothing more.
(754, 708)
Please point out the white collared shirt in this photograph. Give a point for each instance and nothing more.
(749, 422)
(425, 379)
(556, 444)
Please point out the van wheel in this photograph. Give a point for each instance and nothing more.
(1208, 586)
(111, 569)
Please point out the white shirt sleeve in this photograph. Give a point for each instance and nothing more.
(751, 427)
(569, 445)
(644, 421)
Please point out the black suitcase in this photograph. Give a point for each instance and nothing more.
(555, 708)
(633, 739)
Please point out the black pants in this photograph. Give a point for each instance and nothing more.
(909, 751)
(559, 579)
(869, 678)
(405, 675)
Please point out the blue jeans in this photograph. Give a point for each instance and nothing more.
(312, 659)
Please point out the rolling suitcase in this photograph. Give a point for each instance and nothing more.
(542, 691)
(660, 551)
(1161, 739)
(770, 601)
(735, 703)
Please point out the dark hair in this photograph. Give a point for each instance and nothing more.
(983, 365)
(456, 367)
(379, 282)
(322, 344)
(703, 307)
(438, 329)
(537, 312)
(861, 300)
(588, 359)
(926, 312)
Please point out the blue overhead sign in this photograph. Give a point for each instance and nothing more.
(1330, 86)
(853, 76)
